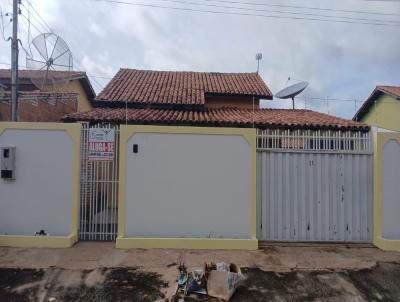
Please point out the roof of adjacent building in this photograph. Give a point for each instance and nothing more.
(261, 118)
(180, 87)
(49, 96)
(27, 76)
(394, 91)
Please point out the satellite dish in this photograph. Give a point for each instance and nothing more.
(291, 91)
(51, 57)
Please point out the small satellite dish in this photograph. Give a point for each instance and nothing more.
(51, 57)
(291, 91)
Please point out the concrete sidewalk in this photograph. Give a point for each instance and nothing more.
(90, 264)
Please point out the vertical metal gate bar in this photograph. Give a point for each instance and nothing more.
(86, 175)
(93, 197)
(113, 164)
(102, 209)
(107, 191)
(99, 191)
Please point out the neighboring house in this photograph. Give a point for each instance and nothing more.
(198, 99)
(382, 109)
(50, 102)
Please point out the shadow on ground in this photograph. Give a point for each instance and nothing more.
(123, 284)
(116, 284)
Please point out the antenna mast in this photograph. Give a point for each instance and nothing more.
(14, 62)
(258, 58)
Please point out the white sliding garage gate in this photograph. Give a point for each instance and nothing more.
(314, 186)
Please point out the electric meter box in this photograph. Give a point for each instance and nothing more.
(7, 162)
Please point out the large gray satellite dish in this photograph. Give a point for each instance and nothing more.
(291, 91)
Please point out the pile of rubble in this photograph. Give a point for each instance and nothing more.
(218, 280)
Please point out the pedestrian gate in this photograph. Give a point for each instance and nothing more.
(98, 189)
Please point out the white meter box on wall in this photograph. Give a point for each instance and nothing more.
(8, 162)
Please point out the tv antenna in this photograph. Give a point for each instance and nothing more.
(51, 57)
(291, 91)
(258, 58)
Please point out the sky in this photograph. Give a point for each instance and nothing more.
(342, 62)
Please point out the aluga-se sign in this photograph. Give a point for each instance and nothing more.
(101, 144)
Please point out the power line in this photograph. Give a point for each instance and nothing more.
(2, 24)
(89, 75)
(278, 11)
(306, 7)
(35, 17)
(94, 82)
(245, 14)
(43, 20)
(44, 25)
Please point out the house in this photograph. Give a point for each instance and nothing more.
(293, 175)
(313, 170)
(199, 99)
(381, 110)
(47, 103)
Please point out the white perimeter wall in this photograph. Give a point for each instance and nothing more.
(391, 190)
(188, 185)
(40, 196)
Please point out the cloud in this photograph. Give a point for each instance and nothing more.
(340, 60)
(94, 28)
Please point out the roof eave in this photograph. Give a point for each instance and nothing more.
(363, 110)
(87, 86)
(258, 96)
(365, 128)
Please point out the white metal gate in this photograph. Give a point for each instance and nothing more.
(314, 186)
(98, 192)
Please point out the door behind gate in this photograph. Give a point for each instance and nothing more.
(99, 183)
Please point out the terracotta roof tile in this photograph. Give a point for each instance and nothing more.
(29, 74)
(394, 90)
(179, 87)
(222, 116)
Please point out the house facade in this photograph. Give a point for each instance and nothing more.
(382, 109)
(313, 170)
(190, 160)
(47, 103)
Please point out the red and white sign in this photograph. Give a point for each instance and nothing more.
(101, 144)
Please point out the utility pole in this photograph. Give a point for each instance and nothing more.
(14, 62)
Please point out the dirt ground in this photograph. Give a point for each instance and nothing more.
(99, 272)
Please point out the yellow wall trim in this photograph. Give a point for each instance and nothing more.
(187, 243)
(380, 139)
(38, 241)
(126, 132)
(74, 131)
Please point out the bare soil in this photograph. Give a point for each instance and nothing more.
(99, 272)
(378, 283)
(119, 284)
